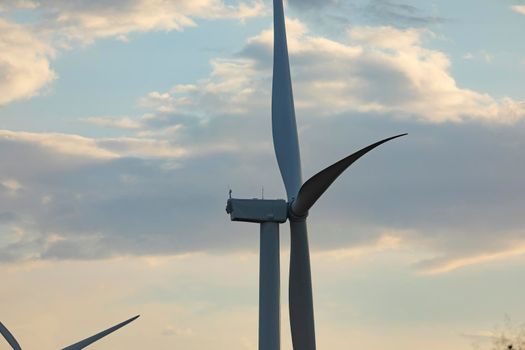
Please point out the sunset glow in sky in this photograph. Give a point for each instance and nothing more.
(124, 123)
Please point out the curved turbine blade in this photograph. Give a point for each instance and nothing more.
(319, 183)
(286, 145)
(300, 289)
(88, 341)
(284, 129)
(9, 337)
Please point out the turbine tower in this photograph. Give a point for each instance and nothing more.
(77, 346)
(270, 213)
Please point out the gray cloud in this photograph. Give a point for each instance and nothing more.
(450, 189)
(456, 188)
(394, 13)
(314, 4)
(336, 13)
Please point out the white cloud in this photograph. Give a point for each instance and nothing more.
(24, 63)
(87, 21)
(26, 50)
(141, 147)
(103, 148)
(480, 55)
(11, 185)
(162, 102)
(519, 9)
(118, 123)
(379, 69)
(73, 145)
(451, 263)
(386, 242)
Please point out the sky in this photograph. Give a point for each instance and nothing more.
(123, 124)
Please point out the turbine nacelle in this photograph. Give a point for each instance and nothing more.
(257, 210)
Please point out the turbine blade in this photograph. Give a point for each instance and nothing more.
(88, 341)
(284, 128)
(9, 337)
(319, 183)
(300, 289)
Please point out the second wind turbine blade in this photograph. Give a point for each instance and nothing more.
(300, 300)
(284, 128)
(9, 337)
(319, 183)
(88, 341)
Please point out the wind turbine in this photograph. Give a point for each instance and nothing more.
(270, 213)
(77, 346)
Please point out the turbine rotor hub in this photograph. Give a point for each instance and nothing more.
(294, 216)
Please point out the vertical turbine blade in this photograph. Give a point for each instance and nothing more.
(88, 341)
(9, 337)
(286, 145)
(284, 128)
(300, 289)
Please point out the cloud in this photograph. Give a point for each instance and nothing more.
(385, 242)
(447, 264)
(390, 12)
(104, 148)
(87, 21)
(480, 55)
(519, 9)
(335, 14)
(27, 49)
(160, 188)
(76, 202)
(11, 186)
(6, 5)
(24, 63)
(378, 69)
(84, 198)
(72, 145)
(125, 123)
(313, 4)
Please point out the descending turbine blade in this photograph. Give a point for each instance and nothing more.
(319, 183)
(284, 128)
(9, 337)
(300, 289)
(88, 341)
